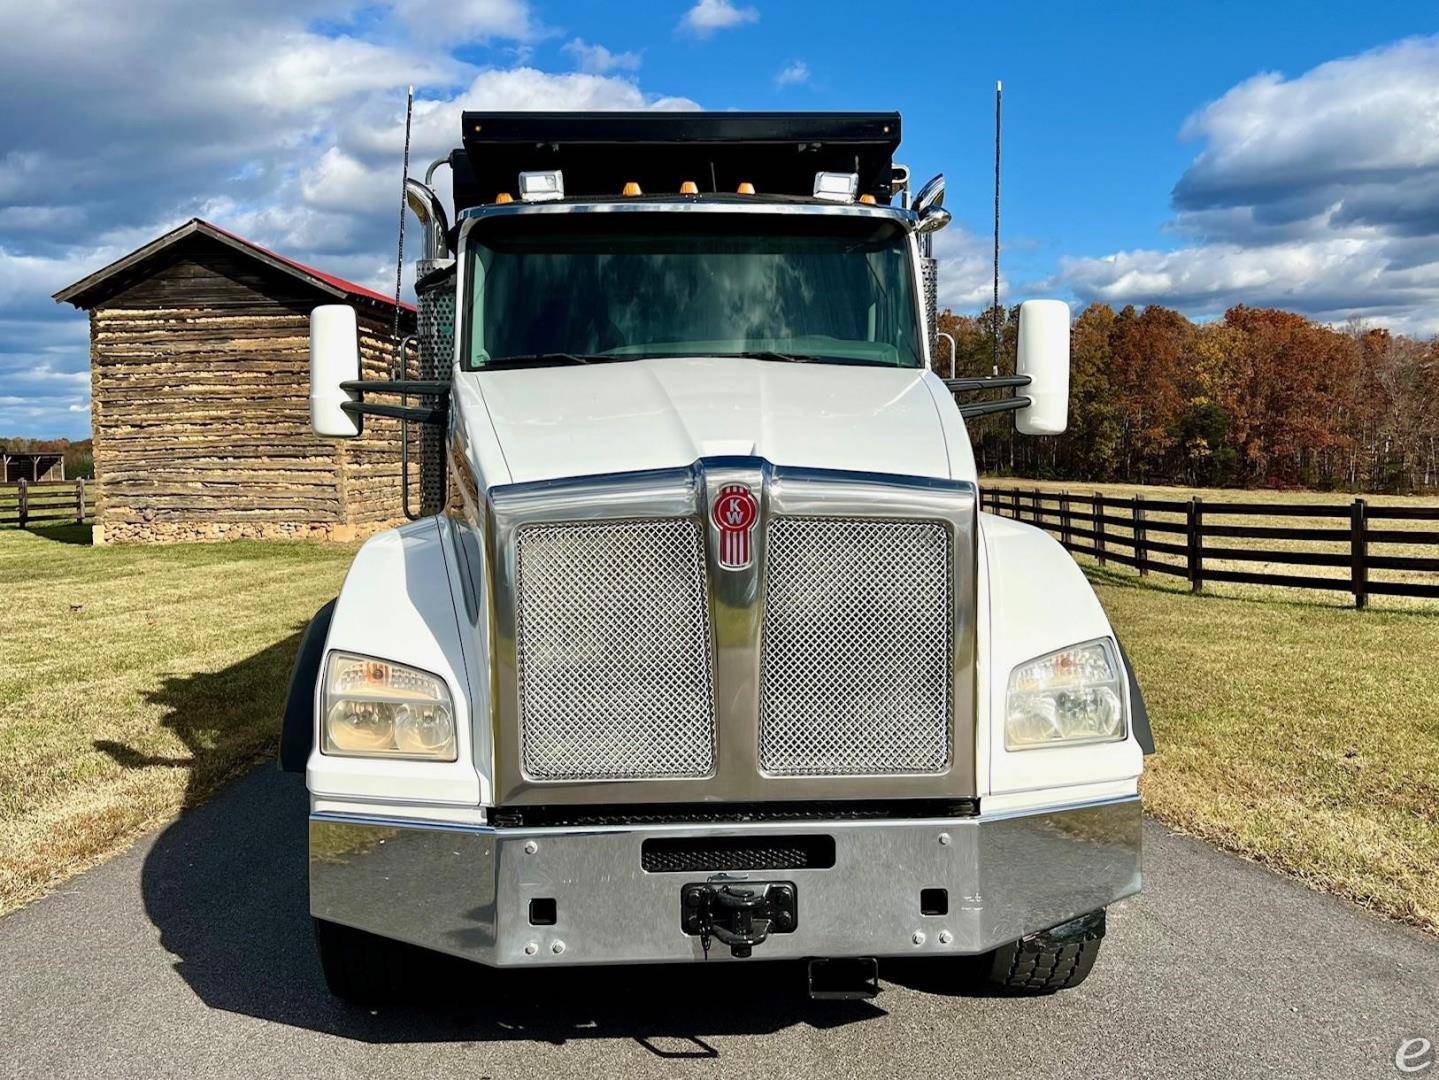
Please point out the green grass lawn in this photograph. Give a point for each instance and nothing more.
(139, 679)
(1301, 735)
(136, 681)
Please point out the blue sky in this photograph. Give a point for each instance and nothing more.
(1095, 94)
(1197, 155)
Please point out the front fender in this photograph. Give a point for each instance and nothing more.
(1040, 601)
(399, 603)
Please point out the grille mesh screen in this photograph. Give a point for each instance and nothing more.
(613, 644)
(696, 855)
(857, 655)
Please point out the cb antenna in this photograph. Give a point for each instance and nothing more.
(998, 99)
(404, 181)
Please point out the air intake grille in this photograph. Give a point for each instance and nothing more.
(613, 644)
(857, 655)
(695, 855)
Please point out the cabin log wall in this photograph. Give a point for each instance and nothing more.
(200, 387)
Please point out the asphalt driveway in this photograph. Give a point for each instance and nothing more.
(190, 956)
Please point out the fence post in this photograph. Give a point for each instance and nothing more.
(1099, 527)
(1196, 539)
(79, 500)
(1140, 559)
(1359, 552)
(24, 513)
(1064, 534)
(1034, 507)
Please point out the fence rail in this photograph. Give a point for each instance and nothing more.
(46, 502)
(1187, 538)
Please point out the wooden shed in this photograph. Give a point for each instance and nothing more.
(31, 466)
(199, 370)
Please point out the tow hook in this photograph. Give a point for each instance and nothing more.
(738, 915)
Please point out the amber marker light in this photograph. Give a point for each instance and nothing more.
(504, 197)
(632, 188)
(689, 187)
(867, 199)
(745, 188)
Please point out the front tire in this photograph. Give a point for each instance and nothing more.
(367, 969)
(1052, 960)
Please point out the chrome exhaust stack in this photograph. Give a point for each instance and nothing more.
(435, 337)
(930, 217)
(427, 207)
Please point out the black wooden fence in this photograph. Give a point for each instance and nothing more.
(46, 502)
(1373, 545)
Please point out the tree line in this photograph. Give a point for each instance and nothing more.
(1259, 398)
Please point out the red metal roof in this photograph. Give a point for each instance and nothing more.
(97, 284)
(330, 279)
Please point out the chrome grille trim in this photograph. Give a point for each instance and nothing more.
(736, 606)
(613, 651)
(856, 648)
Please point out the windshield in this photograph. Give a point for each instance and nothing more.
(587, 287)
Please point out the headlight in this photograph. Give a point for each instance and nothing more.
(374, 708)
(1067, 697)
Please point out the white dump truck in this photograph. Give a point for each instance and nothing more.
(699, 648)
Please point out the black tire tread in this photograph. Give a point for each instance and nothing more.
(367, 969)
(1046, 963)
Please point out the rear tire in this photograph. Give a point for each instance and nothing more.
(367, 969)
(1052, 960)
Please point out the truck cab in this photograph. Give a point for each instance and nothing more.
(699, 648)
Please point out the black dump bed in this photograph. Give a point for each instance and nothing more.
(599, 152)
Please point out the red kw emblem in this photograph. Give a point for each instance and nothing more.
(735, 512)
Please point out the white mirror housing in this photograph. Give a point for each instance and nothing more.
(1044, 357)
(334, 358)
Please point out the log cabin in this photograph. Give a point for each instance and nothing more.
(199, 370)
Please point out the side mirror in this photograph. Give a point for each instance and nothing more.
(334, 359)
(932, 219)
(1044, 357)
(929, 211)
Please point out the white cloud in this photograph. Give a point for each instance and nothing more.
(707, 16)
(966, 270)
(239, 111)
(795, 73)
(1318, 193)
(457, 22)
(528, 88)
(598, 60)
(1312, 147)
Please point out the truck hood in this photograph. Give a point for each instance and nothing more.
(651, 414)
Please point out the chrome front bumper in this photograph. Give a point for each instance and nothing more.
(467, 890)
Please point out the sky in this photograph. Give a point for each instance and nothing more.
(1196, 155)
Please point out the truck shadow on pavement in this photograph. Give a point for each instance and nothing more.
(225, 885)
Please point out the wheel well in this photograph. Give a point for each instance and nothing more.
(297, 734)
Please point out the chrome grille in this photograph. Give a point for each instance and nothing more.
(613, 650)
(857, 654)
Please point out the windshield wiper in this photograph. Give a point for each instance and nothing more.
(549, 359)
(782, 357)
(809, 358)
